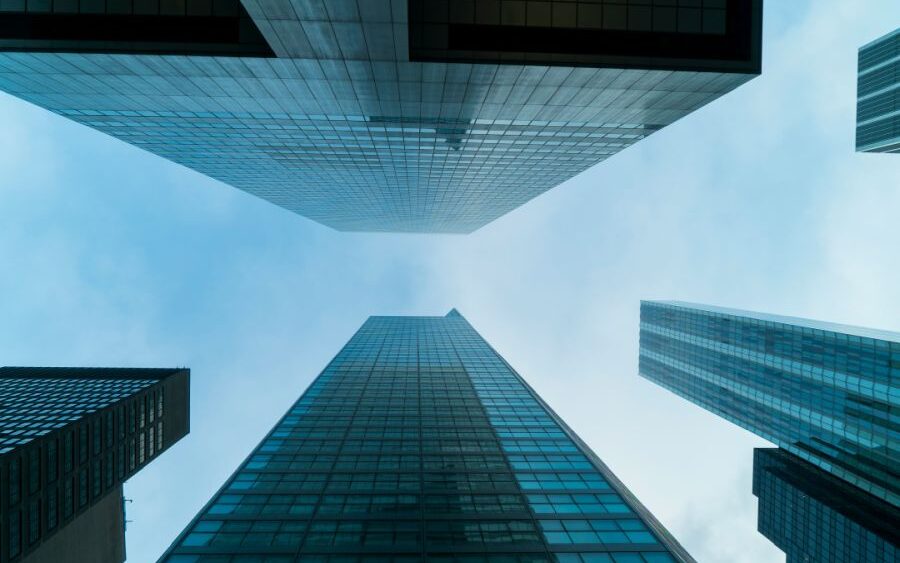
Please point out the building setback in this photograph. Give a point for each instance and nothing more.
(419, 442)
(69, 438)
(813, 516)
(382, 115)
(878, 95)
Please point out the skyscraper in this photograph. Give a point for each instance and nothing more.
(878, 95)
(419, 442)
(815, 517)
(822, 391)
(69, 437)
(380, 115)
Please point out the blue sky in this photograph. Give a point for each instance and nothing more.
(112, 256)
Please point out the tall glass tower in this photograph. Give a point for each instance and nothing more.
(418, 442)
(69, 438)
(813, 516)
(380, 115)
(878, 95)
(827, 394)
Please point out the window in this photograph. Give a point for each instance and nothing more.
(14, 474)
(562, 481)
(82, 443)
(369, 504)
(596, 531)
(474, 504)
(52, 461)
(258, 533)
(108, 470)
(82, 487)
(371, 533)
(15, 533)
(448, 533)
(120, 422)
(96, 475)
(34, 522)
(52, 509)
(120, 461)
(68, 497)
(34, 470)
(96, 436)
(272, 505)
(585, 503)
(68, 452)
(539, 462)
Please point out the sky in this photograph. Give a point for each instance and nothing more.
(115, 257)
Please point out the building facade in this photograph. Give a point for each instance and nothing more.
(878, 95)
(383, 115)
(69, 438)
(419, 442)
(825, 392)
(815, 517)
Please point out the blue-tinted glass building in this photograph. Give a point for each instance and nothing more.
(418, 442)
(827, 393)
(878, 95)
(813, 516)
(380, 115)
(69, 438)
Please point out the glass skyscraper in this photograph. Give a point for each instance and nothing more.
(380, 115)
(878, 95)
(418, 442)
(69, 437)
(815, 517)
(825, 392)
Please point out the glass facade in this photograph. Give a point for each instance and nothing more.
(878, 95)
(824, 392)
(344, 126)
(813, 516)
(69, 437)
(418, 442)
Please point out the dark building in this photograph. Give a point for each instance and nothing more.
(380, 115)
(815, 517)
(825, 392)
(419, 442)
(69, 438)
(878, 95)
